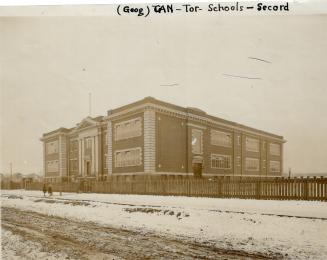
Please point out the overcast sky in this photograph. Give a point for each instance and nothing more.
(50, 64)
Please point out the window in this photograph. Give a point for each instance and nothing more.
(52, 147)
(274, 149)
(252, 164)
(238, 140)
(274, 166)
(128, 129)
(238, 161)
(219, 161)
(73, 166)
(196, 141)
(106, 161)
(106, 138)
(252, 144)
(53, 166)
(88, 143)
(221, 138)
(73, 145)
(128, 157)
(264, 145)
(263, 164)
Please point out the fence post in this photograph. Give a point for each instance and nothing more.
(315, 188)
(306, 189)
(281, 188)
(321, 183)
(188, 187)
(258, 188)
(324, 187)
(288, 188)
(219, 187)
(302, 189)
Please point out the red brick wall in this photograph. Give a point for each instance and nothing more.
(171, 144)
(127, 143)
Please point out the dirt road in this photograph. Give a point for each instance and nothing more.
(85, 240)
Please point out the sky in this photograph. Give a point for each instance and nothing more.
(48, 66)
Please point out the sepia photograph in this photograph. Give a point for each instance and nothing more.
(164, 131)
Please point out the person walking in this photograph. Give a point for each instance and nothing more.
(50, 190)
(44, 189)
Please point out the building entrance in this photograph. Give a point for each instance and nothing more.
(88, 168)
(197, 166)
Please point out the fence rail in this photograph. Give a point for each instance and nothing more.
(221, 187)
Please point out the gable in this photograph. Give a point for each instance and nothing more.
(87, 122)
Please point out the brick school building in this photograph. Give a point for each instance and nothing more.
(152, 137)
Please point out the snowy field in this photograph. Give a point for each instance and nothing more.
(280, 229)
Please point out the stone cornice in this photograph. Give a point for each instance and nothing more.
(49, 136)
(176, 111)
(198, 118)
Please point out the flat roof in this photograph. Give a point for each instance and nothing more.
(191, 110)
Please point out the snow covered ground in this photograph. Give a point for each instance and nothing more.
(292, 229)
(14, 247)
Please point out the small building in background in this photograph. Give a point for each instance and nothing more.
(152, 137)
(31, 178)
(17, 177)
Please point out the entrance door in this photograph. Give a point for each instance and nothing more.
(88, 168)
(197, 170)
(197, 165)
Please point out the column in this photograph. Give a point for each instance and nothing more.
(93, 156)
(62, 156)
(79, 157)
(149, 141)
(82, 156)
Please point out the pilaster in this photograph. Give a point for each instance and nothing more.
(149, 141)
(79, 157)
(93, 158)
(82, 156)
(97, 157)
(62, 156)
(109, 153)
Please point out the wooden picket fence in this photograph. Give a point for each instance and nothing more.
(219, 187)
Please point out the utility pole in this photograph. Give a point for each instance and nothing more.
(10, 175)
